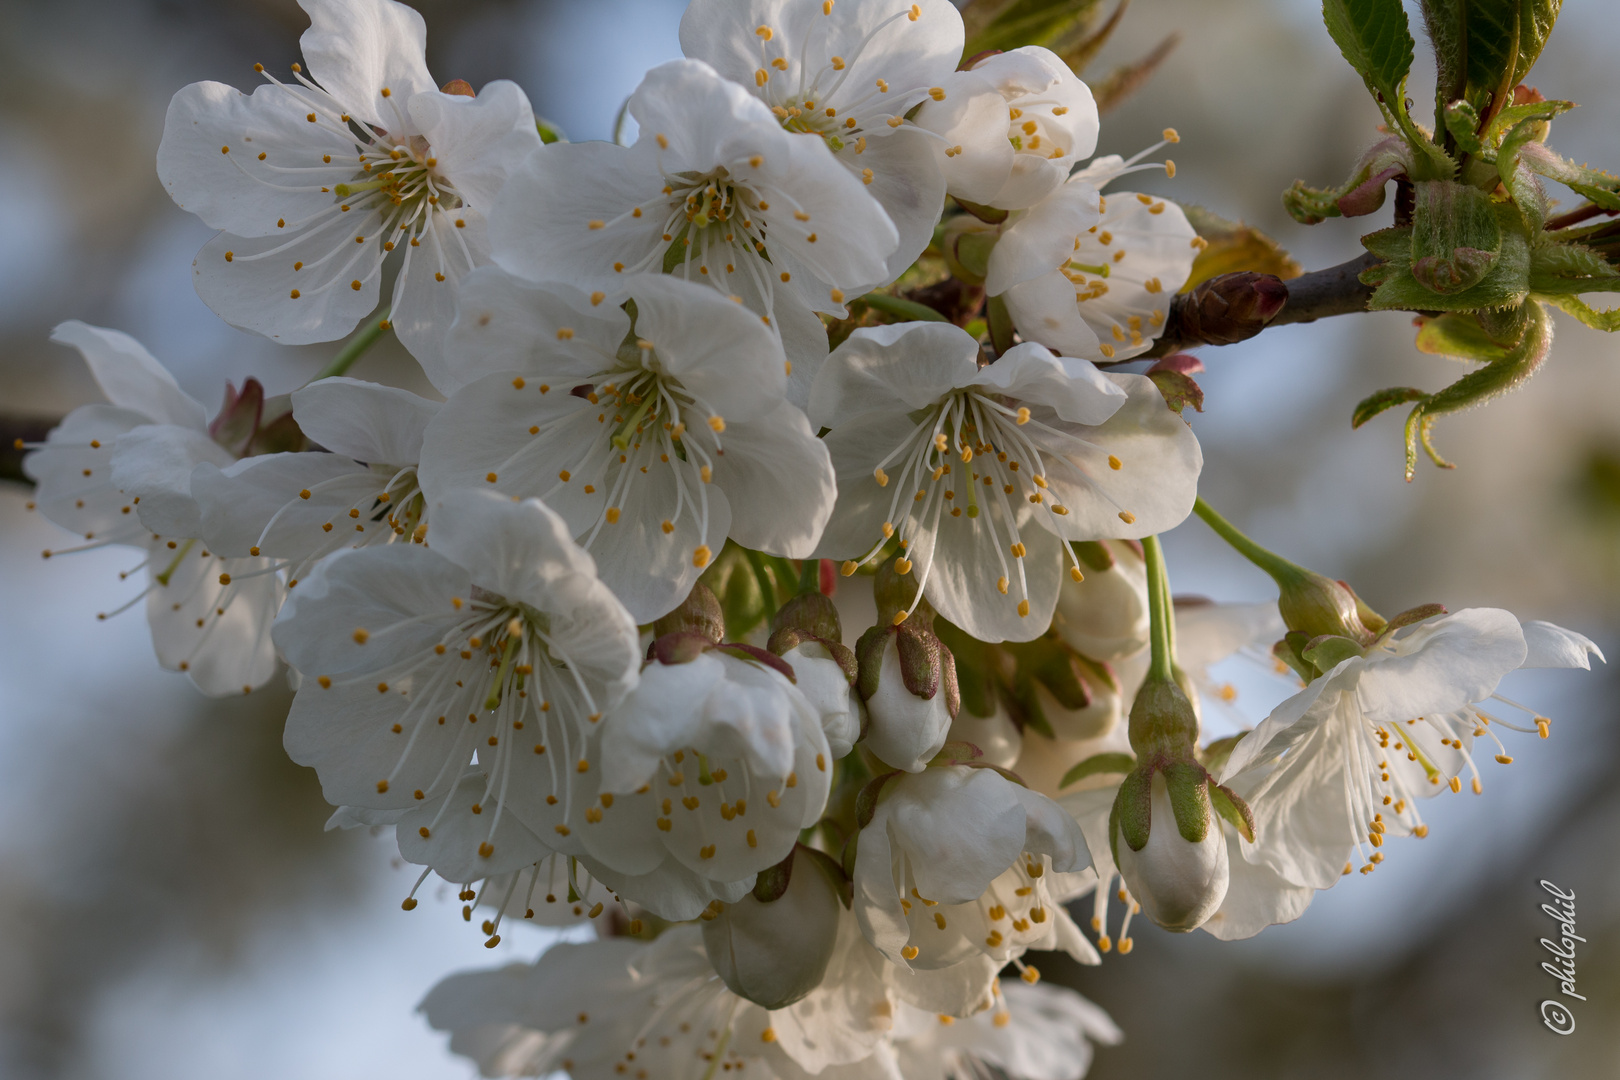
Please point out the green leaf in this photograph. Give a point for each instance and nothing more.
(1011, 24)
(901, 308)
(1504, 285)
(1484, 48)
(1385, 399)
(1375, 38)
(1456, 334)
(1231, 247)
(1329, 651)
(1455, 236)
(1608, 321)
(1602, 188)
(1096, 765)
(1570, 269)
(549, 132)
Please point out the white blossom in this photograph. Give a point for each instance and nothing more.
(717, 192)
(1032, 1032)
(847, 74)
(314, 182)
(499, 643)
(654, 446)
(120, 474)
(984, 474)
(1013, 126)
(951, 866)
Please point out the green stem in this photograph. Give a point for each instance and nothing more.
(356, 348)
(905, 309)
(1281, 570)
(1162, 665)
(810, 575)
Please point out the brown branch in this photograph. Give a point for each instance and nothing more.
(1234, 307)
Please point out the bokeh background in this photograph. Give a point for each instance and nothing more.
(169, 904)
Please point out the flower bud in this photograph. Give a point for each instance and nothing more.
(908, 681)
(1179, 881)
(773, 946)
(699, 613)
(1064, 695)
(806, 633)
(996, 736)
(1315, 605)
(1105, 616)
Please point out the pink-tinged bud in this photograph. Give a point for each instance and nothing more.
(905, 728)
(773, 946)
(699, 613)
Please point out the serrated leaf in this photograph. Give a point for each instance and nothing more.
(1384, 399)
(1602, 188)
(1570, 268)
(1608, 321)
(1084, 47)
(1232, 246)
(1178, 390)
(1374, 37)
(1504, 39)
(1505, 285)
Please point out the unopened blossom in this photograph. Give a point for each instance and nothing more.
(499, 643)
(1338, 768)
(314, 181)
(1031, 1032)
(1105, 615)
(714, 191)
(1091, 275)
(299, 507)
(983, 475)
(655, 438)
(773, 946)
(620, 1008)
(806, 633)
(949, 865)
(848, 74)
(714, 763)
(1040, 120)
(120, 473)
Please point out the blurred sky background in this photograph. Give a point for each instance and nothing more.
(169, 906)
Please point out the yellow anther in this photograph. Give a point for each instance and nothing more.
(1114, 463)
(848, 568)
(899, 617)
(1169, 169)
(765, 33)
(1023, 609)
(902, 566)
(881, 477)
(717, 424)
(1023, 415)
(937, 93)
(1127, 517)
(700, 556)
(910, 952)
(1170, 135)
(1001, 585)
(361, 635)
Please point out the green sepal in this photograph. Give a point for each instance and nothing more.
(1329, 651)
(1288, 651)
(1133, 807)
(1187, 784)
(549, 132)
(772, 883)
(920, 666)
(1411, 617)
(992, 215)
(1098, 764)
(975, 662)
(1385, 399)
(869, 649)
(1230, 806)
(866, 801)
(956, 752)
(700, 613)
(784, 640)
(1094, 554)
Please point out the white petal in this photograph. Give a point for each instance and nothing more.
(426, 290)
(778, 480)
(1256, 897)
(892, 368)
(453, 846)
(224, 654)
(357, 48)
(238, 502)
(973, 116)
(1045, 309)
(1073, 388)
(253, 289)
(1052, 832)
(908, 182)
(1042, 238)
(723, 355)
(365, 421)
(73, 479)
(478, 141)
(541, 222)
(507, 324)
(154, 463)
(1441, 665)
(1552, 646)
(209, 157)
(130, 376)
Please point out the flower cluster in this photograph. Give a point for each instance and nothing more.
(569, 628)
